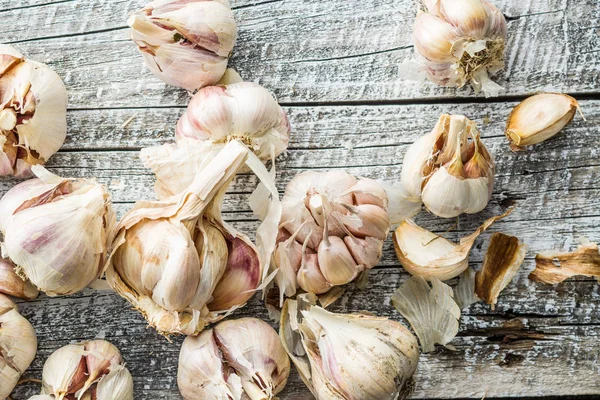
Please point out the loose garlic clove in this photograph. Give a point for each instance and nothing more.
(87, 368)
(538, 118)
(338, 222)
(236, 359)
(348, 356)
(18, 345)
(12, 284)
(185, 43)
(56, 231)
(33, 110)
(450, 169)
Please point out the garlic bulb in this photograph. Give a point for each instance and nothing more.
(538, 118)
(460, 42)
(332, 228)
(18, 345)
(348, 356)
(56, 231)
(33, 113)
(87, 370)
(12, 284)
(178, 262)
(185, 43)
(450, 169)
(237, 359)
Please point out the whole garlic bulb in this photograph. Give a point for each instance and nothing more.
(93, 369)
(178, 262)
(33, 113)
(185, 43)
(237, 359)
(348, 356)
(461, 41)
(18, 345)
(56, 231)
(332, 228)
(450, 169)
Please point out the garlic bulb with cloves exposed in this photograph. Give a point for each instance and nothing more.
(185, 43)
(459, 42)
(450, 169)
(237, 359)
(18, 345)
(332, 228)
(87, 370)
(33, 113)
(12, 284)
(56, 231)
(348, 356)
(178, 262)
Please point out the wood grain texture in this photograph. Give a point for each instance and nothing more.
(334, 64)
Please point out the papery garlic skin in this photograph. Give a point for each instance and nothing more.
(236, 359)
(460, 42)
(18, 345)
(349, 356)
(185, 43)
(450, 169)
(538, 118)
(33, 113)
(12, 284)
(332, 228)
(56, 231)
(94, 368)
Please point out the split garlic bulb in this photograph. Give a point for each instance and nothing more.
(87, 370)
(450, 169)
(56, 231)
(18, 345)
(332, 228)
(460, 42)
(185, 43)
(178, 262)
(237, 359)
(33, 113)
(348, 356)
(12, 284)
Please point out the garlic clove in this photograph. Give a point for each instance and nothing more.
(365, 251)
(12, 284)
(584, 261)
(375, 221)
(310, 278)
(369, 191)
(538, 118)
(434, 38)
(470, 17)
(335, 261)
(116, 385)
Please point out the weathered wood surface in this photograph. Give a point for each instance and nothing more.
(334, 64)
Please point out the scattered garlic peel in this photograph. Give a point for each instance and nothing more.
(330, 297)
(13, 285)
(554, 267)
(464, 293)
(431, 311)
(423, 253)
(501, 262)
(401, 206)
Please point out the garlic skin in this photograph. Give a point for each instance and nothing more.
(459, 42)
(93, 369)
(56, 231)
(450, 169)
(178, 262)
(12, 284)
(33, 113)
(237, 359)
(348, 356)
(18, 345)
(185, 43)
(332, 228)
(538, 118)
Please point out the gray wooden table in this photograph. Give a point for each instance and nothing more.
(333, 64)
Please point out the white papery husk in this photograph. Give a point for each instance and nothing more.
(116, 385)
(56, 231)
(348, 356)
(12, 284)
(431, 311)
(236, 359)
(18, 345)
(464, 293)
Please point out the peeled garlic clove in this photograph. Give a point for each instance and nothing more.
(187, 43)
(18, 345)
(348, 356)
(56, 231)
(33, 109)
(584, 261)
(87, 368)
(12, 284)
(236, 359)
(538, 118)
